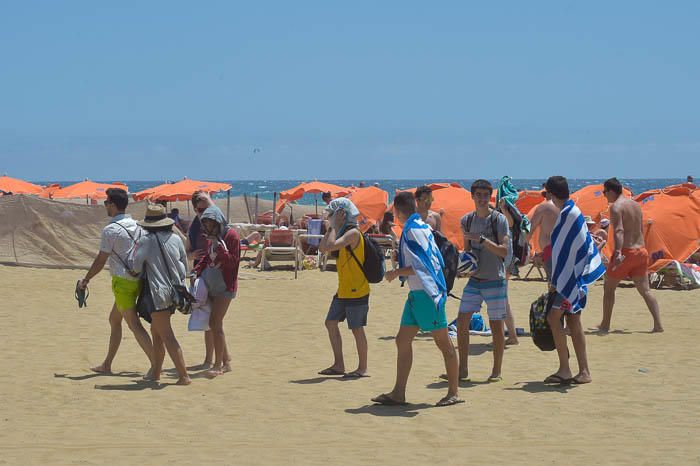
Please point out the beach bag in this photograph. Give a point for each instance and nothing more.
(181, 297)
(450, 258)
(144, 301)
(373, 266)
(199, 320)
(539, 327)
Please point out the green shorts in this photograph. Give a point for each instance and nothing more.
(420, 311)
(125, 292)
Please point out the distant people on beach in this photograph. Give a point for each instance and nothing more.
(420, 264)
(351, 300)
(630, 258)
(690, 179)
(218, 268)
(161, 258)
(424, 200)
(175, 216)
(117, 246)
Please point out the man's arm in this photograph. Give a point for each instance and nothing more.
(97, 265)
(618, 231)
(331, 243)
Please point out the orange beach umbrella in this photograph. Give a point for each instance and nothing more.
(180, 191)
(16, 186)
(87, 188)
(312, 187)
(527, 200)
(371, 202)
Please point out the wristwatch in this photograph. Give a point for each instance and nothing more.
(481, 239)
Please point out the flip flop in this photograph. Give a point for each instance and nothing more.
(331, 371)
(495, 379)
(461, 379)
(386, 400)
(81, 295)
(556, 379)
(354, 375)
(449, 401)
(576, 381)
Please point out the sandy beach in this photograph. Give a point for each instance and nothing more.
(274, 409)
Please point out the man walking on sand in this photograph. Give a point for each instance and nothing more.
(630, 259)
(117, 245)
(420, 263)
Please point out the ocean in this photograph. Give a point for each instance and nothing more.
(266, 188)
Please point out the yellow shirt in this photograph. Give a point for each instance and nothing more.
(351, 279)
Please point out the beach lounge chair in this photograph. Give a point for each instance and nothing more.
(282, 248)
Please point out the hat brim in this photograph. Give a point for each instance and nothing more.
(165, 222)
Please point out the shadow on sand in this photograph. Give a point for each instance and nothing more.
(540, 387)
(409, 410)
(96, 374)
(135, 386)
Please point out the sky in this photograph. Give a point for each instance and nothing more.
(331, 90)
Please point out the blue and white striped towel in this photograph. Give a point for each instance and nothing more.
(576, 262)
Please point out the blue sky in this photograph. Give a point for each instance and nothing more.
(155, 90)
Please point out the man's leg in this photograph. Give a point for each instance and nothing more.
(642, 284)
(579, 339)
(554, 319)
(404, 361)
(510, 325)
(499, 345)
(608, 302)
(443, 341)
(336, 345)
(463, 321)
(140, 333)
(115, 339)
(361, 342)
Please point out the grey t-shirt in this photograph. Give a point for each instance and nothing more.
(491, 267)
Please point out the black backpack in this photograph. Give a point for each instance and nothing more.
(539, 325)
(373, 266)
(450, 257)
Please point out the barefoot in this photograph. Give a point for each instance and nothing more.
(226, 367)
(601, 329)
(213, 372)
(581, 378)
(184, 380)
(657, 329)
(151, 375)
(512, 341)
(102, 369)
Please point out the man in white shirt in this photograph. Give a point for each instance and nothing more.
(117, 245)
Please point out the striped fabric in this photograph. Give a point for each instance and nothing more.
(576, 262)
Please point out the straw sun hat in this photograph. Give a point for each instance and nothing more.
(156, 217)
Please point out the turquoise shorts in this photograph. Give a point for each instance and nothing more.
(420, 311)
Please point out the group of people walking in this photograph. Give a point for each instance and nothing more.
(147, 260)
(148, 257)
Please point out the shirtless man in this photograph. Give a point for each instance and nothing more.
(544, 218)
(424, 199)
(630, 258)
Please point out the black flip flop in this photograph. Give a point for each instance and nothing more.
(557, 380)
(81, 295)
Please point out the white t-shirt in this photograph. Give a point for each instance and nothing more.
(118, 240)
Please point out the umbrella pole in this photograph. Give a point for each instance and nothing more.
(274, 206)
(316, 202)
(87, 199)
(256, 208)
(188, 209)
(247, 207)
(228, 205)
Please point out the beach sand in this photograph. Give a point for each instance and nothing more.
(642, 408)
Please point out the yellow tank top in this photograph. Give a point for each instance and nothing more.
(351, 279)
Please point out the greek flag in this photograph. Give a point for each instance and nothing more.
(576, 262)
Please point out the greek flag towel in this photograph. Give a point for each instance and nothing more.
(427, 261)
(575, 259)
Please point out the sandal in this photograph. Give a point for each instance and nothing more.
(81, 295)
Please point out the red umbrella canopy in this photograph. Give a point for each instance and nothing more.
(17, 186)
(87, 188)
(180, 191)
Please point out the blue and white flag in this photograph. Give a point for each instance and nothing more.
(576, 262)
